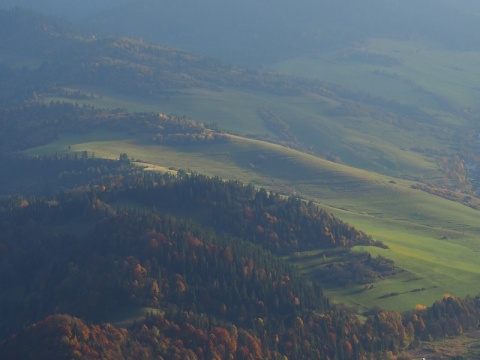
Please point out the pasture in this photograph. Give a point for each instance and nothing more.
(413, 73)
(397, 104)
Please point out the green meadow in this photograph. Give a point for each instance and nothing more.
(438, 83)
(358, 140)
(413, 73)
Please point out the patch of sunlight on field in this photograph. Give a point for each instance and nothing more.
(436, 260)
(360, 141)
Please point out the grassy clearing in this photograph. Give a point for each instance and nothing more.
(437, 241)
(129, 316)
(438, 259)
(463, 347)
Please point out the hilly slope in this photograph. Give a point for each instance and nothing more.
(435, 239)
(259, 32)
(186, 266)
(289, 121)
(350, 126)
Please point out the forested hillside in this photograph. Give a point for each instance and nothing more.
(208, 274)
(38, 124)
(57, 53)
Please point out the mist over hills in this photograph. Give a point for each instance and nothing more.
(70, 9)
(256, 33)
(47, 52)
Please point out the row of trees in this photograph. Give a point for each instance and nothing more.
(29, 125)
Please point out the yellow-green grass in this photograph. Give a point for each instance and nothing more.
(450, 74)
(435, 240)
(439, 248)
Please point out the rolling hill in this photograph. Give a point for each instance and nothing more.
(259, 33)
(282, 122)
(434, 239)
(351, 126)
(378, 133)
(186, 265)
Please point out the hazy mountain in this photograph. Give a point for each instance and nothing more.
(254, 32)
(258, 32)
(68, 9)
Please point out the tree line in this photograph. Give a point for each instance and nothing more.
(35, 124)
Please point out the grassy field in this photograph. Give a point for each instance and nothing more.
(439, 83)
(435, 240)
(412, 73)
(360, 140)
(233, 110)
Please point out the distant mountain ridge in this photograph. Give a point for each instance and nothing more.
(255, 33)
(66, 55)
(69, 9)
(262, 32)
